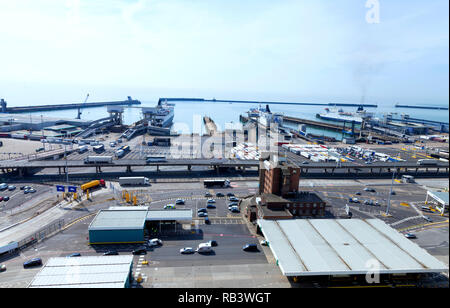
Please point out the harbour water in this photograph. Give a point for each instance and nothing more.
(188, 112)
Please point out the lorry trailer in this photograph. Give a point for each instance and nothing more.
(220, 183)
(98, 159)
(138, 180)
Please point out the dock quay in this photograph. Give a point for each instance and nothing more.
(27, 109)
(421, 107)
(161, 100)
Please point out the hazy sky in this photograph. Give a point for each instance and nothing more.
(54, 51)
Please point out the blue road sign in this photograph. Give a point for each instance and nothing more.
(72, 189)
(60, 188)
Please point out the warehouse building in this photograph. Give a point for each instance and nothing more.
(344, 247)
(127, 225)
(85, 272)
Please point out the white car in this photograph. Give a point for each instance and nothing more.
(211, 201)
(155, 242)
(187, 250)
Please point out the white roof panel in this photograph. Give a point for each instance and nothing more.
(305, 247)
(175, 214)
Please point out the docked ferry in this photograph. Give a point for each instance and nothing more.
(341, 116)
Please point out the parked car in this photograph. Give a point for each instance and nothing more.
(208, 194)
(230, 195)
(393, 193)
(235, 210)
(155, 242)
(33, 262)
(210, 206)
(410, 235)
(139, 251)
(1, 199)
(187, 250)
(211, 201)
(250, 247)
(219, 194)
(179, 201)
(231, 204)
(11, 187)
(427, 218)
(76, 254)
(5, 198)
(202, 210)
(207, 221)
(202, 214)
(3, 186)
(2, 267)
(234, 199)
(111, 253)
(358, 193)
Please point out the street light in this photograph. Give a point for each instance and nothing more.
(390, 193)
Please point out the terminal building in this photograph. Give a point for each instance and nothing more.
(279, 196)
(128, 225)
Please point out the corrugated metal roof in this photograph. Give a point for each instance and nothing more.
(440, 196)
(84, 272)
(340, 247)
(118, 220)
(175, 214)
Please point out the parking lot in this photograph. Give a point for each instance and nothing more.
(17, 197)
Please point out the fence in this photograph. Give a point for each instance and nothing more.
(41, 234)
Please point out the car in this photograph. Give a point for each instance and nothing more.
(410, 235)
(76, 254)
(169, 207)
(179, 201)
(366, 202)
(427, 218)
(210, 206)
(235, 210)
(377, 203)
(1, 199)
(187, 250)
(2, 267)
(202, 210)
(207, 221)
(211, 201)
(230, 195)
(234, 199)
(155, 242)
(219, 194)
(3, 186)
(32, 190)
(202, 214)
(139, 251)
(369, 189)
(232, 204)
(6, 198)
(213, 243)
(250, 247)
(358, 193)
(11, 187)
(111, 253)
(393, 193)
(32, 262)
(204, 248)
(119, 140)
(112, 144)
(208, 194)
(264, 243)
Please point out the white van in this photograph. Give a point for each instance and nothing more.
(204, 248)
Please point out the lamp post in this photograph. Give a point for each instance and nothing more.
(390, 193)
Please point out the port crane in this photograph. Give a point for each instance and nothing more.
(79, 108)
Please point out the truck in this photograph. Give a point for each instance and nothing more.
(93, 184)
(429, 162)
(138, 180)
(98, 159)
(10, 247)
(82, 149)
(221, 183)
(155, 159)
(99, 148)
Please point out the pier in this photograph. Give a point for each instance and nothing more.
(421, 107)
(329, 126)
(161, 100)
(28, 109)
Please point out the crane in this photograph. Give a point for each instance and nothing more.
(79, 108)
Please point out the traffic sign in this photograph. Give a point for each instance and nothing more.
(60, 188)
(72, 189)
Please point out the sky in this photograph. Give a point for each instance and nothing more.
(57, 51)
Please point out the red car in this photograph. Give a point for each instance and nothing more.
(1, 199)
